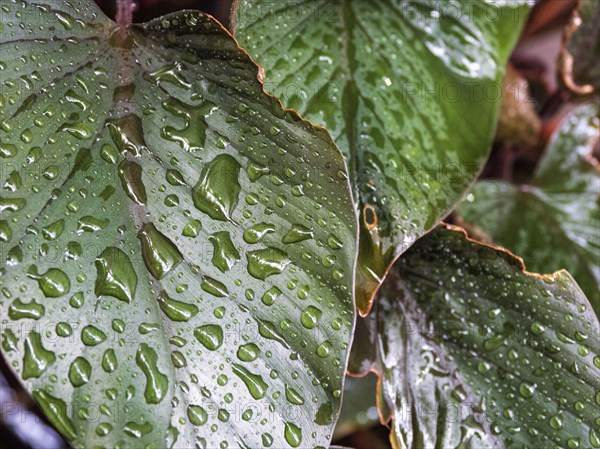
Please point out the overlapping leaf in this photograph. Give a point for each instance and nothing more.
(408, 89)
(554, 221)
(177, 250)
(474, 352)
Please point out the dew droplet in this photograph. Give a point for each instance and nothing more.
(115, 275)
(210, 335)
(216, 193)
(254, 382)
(36, 358)
(266, 262)
(156, 382)
(160, 254)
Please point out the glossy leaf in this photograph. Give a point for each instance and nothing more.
(408, 89)
(553, 221)
(475, 352)
(141, 306)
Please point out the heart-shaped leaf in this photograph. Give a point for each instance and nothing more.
(553, 221)
(409, 89)
(475, 352)
(178, 250)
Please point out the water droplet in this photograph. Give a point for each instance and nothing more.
(271, 295)
(91, 224)
(53, 283)
(160, 254)
(324, 349)
(192, 228)
(127, 134)
(266, 262)
(216, 193)
(36, 358)
(116, 276)
(526, 389)
(214, 287)
(255, 383)
(130, 174)
(109, 361)
(197, 415)
(310, 317)
(293, 396)
(268, 330)
(137, 430)
(54, 230)
(19, 310)
(556, 422)
(225, 255)
(210, 335)
(92, 336)
(80, 372)
(298, 233)
(56, 411)
(293, 434)
(255, 171)
(176, 310)
(256, 233)
(156, 382)
(248, 352)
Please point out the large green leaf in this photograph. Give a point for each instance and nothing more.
(178, 250)
(409, 89)
(554, 221)
(475, 352)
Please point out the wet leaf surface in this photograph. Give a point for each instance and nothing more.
(139, 306)
(474, 352)
(408, 89)
(553, 222)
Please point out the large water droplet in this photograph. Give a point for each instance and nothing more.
(197, 415)
(19, 310)
(310, 317)
(225, 255)
(116, 276)
(298, 233)
(176, 310)
(36, 358)
(80, 372)
(53, 283)
(92, 336)
(255, 383)
(293, 396)
(266, 262)
(293, 434)
(160, 254)
(210, 335)
(248, 352)
(256, 233)
(130, 174)
(57, 413)
(156, 382)
(216, 193)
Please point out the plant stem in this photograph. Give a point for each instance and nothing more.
(124, 12)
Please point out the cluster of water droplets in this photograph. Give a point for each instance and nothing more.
(171, 243)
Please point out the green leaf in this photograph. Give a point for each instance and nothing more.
(553, 221)
(141, 305)
(580, 71)
(409, 91)
(475, 352)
